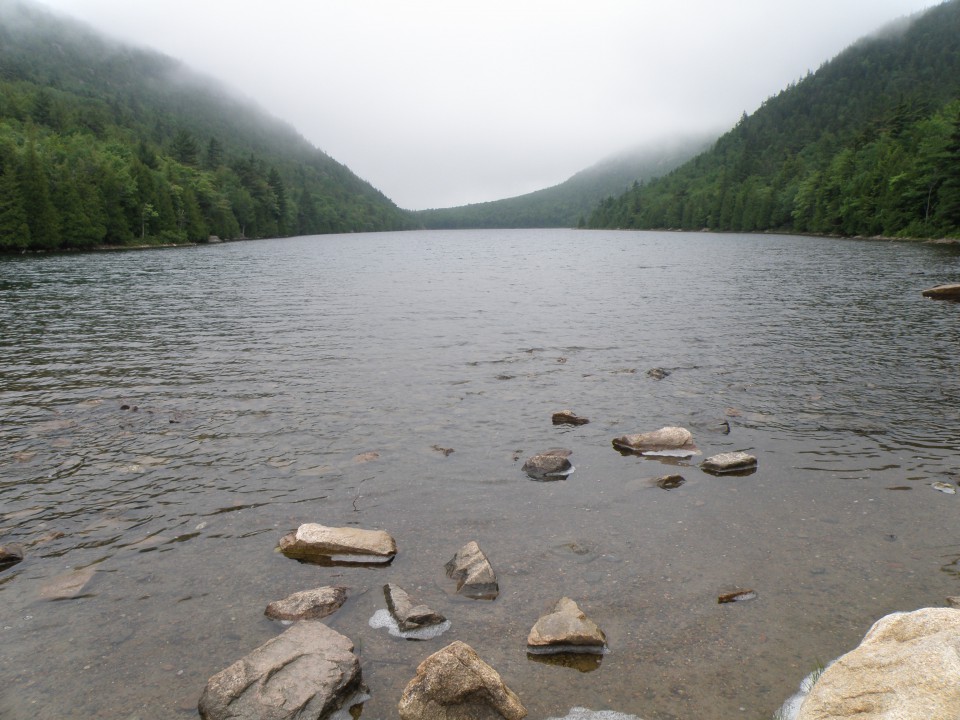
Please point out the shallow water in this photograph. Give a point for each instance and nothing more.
(321, 379)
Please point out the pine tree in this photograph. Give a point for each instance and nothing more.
(14, 230)
(41, 214)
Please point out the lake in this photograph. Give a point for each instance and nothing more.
(167, 415)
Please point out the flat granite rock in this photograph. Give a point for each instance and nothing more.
(566, 629)
(943, 292)
(306, 673)
(669, 441)
(474, 574)
(314, 542)
(308, 604)
(455, 684)
(730, 462)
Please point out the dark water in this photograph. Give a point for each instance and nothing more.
(256, 373)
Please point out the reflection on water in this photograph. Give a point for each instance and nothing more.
(167, 416)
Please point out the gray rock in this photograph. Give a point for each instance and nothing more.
(68, 586)
(658, 373)
(409, 616)
(306, 673)
(943, 292)
(906, 668)
(474, 574)
(566, 629)
(954, 602)
(315, 542)
(10, 555)
(568, 417)
(673, 441)
(308, 604)
(730, 462)
(455, 684)
(549, 465)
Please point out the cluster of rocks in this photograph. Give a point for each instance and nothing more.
(310, 671)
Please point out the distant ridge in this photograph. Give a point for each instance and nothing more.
(102, 143)
(868, 145)
(570, 202)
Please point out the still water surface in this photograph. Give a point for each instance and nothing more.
(257, 375)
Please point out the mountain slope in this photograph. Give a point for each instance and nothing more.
(568, 203)
(868, 145)
(102, 143)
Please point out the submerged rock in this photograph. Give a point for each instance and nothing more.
(943, 292)
(68, 586)
(658, 373)
(409, 616)
(906, 668)
(566, 629)
(474, 574)
(314, 542)
(669, 482)
(737, 596)
(308, 604)
(552, 464)
(669, 441)
(568, 417)
(309, 671)
(10, 555)
(455, 684)
(943, 487)
(731, 462)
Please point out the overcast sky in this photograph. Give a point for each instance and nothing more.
(446, 102)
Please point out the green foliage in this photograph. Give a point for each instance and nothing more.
(868, 145)
(100, 144)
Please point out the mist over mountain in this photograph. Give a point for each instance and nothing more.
(570, 202)
(102, 143)
(867, 145)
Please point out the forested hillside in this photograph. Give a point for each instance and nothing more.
(867, 145)
(569, 203)
(104, 144)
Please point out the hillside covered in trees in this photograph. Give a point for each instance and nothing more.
(569, 203)
(868, 145)
(105, 144)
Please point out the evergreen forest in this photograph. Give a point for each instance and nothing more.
(869, 145)
(102, 144)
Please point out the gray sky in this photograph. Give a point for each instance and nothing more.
(446, 102)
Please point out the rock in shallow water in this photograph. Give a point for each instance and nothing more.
(731, 462)
(906, 668)
(568, 417)
(409, 616)
(566, 629)
(549, 465)
(943, 292)
(474, 574)
(455, 684)
(308, 672)
(10, 555)
(308, 604)
(313, 542)
(670, 441)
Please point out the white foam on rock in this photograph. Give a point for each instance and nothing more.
(344, 712)
(383, 619)
(579, 713)
(790, 710)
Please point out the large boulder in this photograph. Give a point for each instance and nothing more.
(906, 668)
(943, 292)
(307, 673)
(566, 629)
(669, 441)
(308, 604)
(473, 572)
(319, 543)
(409, 616)
(455, 684)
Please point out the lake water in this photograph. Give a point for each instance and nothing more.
(258, 376)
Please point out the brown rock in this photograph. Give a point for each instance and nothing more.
(409, 616)
(455, 684)
(658, 373)
(568, 417)
(318, 542)
(943, 292)
(906, 668)
(308, 604)
(669, 482)
(736, 596)
(566, 629)
(10, 555)
(551, 464)
(474, 574)
(665, 441)
(68, 586)
(306, 672)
